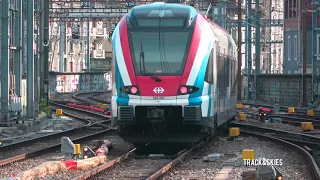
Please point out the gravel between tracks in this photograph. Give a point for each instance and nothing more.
(293, 168)
(119, 148)
(135, 169)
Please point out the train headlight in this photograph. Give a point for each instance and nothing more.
(134, 90)
(183, 90)
(0, 143)
(187, 90)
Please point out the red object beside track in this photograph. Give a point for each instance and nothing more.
(91, 108)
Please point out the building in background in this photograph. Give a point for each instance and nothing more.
(293, 37)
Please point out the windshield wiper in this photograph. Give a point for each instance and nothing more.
(143, 69)
(153, 76)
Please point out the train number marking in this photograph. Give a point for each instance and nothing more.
(158, 98)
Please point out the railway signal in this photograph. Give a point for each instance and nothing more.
(87, 152)
(110, 34)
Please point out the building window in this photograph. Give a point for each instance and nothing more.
(289, 47)
(295, 46)
(294, 8)
(290, 8)
(286, 8)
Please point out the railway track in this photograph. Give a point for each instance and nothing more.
(306, 145)
(94, 124)
(125, 167)
(288, 118)
(300, 112)
(91, 97)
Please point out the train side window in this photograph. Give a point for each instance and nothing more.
(209, 71)
(231, 72)
(220, 72)
(227, 71)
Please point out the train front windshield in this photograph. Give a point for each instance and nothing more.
(164, 52)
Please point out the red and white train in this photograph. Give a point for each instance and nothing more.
(174, 75)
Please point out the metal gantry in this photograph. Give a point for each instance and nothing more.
(315, 30)
(86, 14)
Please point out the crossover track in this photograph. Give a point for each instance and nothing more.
(294, 141)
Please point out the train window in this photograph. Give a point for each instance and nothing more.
(164, 53)
(227, 70)
(217, 69)
(231, 72)
(209, 71)
(157, 22)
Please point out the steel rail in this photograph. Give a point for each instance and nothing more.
(78, 109)
(96, 93)
(99, 100)
(88, 123)
(108, 166)
(282, 108)
(55, 135)
(165, 169)
(46, 137)
(42, 151)
(287, 135)
(313, 167)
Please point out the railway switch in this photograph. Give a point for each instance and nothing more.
(306, 126)
(310, 112)
(290, 109)
(234, 132)
(77, 149)
(59, 112)
(242, 116)
(248, 154)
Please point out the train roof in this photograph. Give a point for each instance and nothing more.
(166, 10)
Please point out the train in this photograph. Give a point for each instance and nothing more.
(174, 75)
